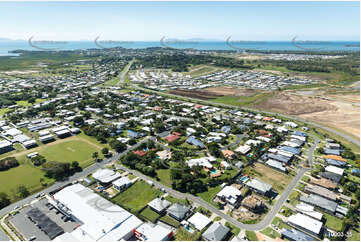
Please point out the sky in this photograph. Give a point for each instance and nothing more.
(150, 21)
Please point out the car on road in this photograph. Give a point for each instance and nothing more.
(32, 238)
(16, 207)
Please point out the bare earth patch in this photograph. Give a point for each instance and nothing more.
(341, 111)
(231, 91)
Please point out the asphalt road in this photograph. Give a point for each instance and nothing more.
(348, 138)
(124, 72)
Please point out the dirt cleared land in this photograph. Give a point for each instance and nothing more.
(339, 111)
(231, 91)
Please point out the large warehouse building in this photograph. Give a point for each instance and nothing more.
(100, 219)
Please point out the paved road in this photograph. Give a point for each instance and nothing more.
(345, 136)
(124, 72)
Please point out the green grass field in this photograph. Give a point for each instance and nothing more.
(69, 151)
(29, 175)
(137, 196)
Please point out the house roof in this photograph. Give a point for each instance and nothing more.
(334, 157)
(334, 169)
(306, 222)
(259, 185)
(177, 210)
(319, 201)
(216, 232)
(199, 221)
(105, 175)
(296, 235)
(159, 204)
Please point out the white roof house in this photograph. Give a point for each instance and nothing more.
(101, 219)
(335, 170)
(159, 205)
(122, 182)
(306, 222)
(253, 142)
(105, 175)
(230, 194)
(199, 221)
(244, 149)
(308, 209)
(203, 161)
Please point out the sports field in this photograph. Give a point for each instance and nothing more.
(70, 149)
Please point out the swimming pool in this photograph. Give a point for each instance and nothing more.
(189, 229)
(214, 172)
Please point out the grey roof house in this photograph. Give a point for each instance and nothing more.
(178, 211)
(215, 232)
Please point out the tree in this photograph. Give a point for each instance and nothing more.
(4, 200)
(105, 151)
(95, 155)
(23, 191)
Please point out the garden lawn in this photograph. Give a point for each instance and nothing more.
(210, 194)
(171, 221)
(183, 235)
(164, 176)
(137, 196)
(333, 222)
(150, 214)
(251, 235)
(271, 233)
(355, 236)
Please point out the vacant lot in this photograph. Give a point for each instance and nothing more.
(278, 180)
(231, 91)
(137, 196)
(341, 111)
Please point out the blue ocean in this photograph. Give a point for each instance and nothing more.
(7, 46)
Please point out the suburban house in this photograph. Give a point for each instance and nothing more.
(193, 141)
(320, 202)
(320, 191)
(259, 186)
(105, 176)
(228, 154)
(159, 205)
(229, 194)
(295, 235)
(172, 137)
(199, 221)
(178, 211)
(306, 224)
(309, 210)
(276, 165)
(216, 232)
(243, 149)
(164, 154)
(122, 183)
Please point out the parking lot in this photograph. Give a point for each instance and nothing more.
(28, 229)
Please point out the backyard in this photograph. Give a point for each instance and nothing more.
(137, 196)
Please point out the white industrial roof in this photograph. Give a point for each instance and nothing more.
(199, 221)
(98, 215)
(306, 222)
